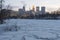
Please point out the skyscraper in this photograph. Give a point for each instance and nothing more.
(33, 8)
(24, 8)
(43, 10)
(37, 8)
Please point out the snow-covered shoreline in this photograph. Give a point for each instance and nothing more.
(30, 29)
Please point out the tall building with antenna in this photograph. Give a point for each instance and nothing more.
(23, 8)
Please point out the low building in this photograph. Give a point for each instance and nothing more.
(22, 11)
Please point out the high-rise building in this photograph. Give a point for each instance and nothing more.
(24, 8)
(33, 8)
(43, 10)
(37, 9)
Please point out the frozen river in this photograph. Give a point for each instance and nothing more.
(31, 29)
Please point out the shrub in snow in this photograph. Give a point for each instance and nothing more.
(16, 28)
(23, 38)
(11, 28)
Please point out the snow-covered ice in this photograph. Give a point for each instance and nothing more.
(30, 29)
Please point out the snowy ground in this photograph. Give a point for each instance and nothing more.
(30, 29)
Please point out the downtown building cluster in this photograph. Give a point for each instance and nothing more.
(34, 11)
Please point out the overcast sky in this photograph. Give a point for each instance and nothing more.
(49, 4)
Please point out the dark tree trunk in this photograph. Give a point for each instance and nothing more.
(1, 17)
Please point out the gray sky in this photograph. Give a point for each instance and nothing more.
(49, 4)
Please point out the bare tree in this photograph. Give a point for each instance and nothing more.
(9, 7)
(9, 10)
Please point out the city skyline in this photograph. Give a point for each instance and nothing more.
(50, 5)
